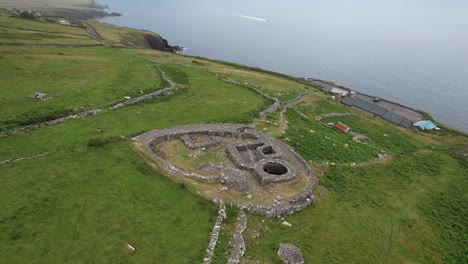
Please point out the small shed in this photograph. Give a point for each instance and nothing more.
(342, 127)
(339, 91)
(64, 22)
(424, 125)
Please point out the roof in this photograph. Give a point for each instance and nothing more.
(377, 110)
(348, 101)
(340, 91)
(342, 127)
(425, 125)
(406, 123)
(392, 117)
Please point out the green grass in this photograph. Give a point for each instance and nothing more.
(46, 4)
(88, 202)
(77, 79)
(90, 172)
(176, 74)
(228, 228)
(7, 22)
(198, 104)
(38, 37)
(320, 143)
(379, 214)
(92, 191)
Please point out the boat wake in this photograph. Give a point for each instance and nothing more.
(248, 17)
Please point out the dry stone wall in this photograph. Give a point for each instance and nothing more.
(237, 241)
(214, 234)
(279, 207)
(91, 112)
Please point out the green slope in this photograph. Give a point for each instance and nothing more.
(66, 200)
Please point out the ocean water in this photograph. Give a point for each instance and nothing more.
(414, 52)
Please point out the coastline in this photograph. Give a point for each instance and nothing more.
(395, 70)
(89, 14)
(306, 81)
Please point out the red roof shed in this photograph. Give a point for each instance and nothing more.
(342, 127)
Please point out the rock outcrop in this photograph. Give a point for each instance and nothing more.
(290, 254)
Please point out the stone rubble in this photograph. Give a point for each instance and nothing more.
(290, 254)
(215, 233)
(237, 241)
(234, 179)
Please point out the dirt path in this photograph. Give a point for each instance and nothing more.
(283, 121)
(92, 31)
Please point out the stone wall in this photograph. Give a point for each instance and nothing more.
(152, 138)
(279, 207)
(270, 110)
(265, 176)
(166, 91)
(191, 144)
(237, 241)
(214, 234)
(56, 121)
(84, 114)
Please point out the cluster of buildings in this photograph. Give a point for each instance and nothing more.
(389, 111)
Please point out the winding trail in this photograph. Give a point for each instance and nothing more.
(92, 31)
(284, 123)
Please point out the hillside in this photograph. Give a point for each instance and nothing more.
(48, 31)
(76, 187)
(75, 9)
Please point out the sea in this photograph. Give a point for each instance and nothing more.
(413, 52)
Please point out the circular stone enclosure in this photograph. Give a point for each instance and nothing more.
(273, 171)
(275, 168)
(252, 153)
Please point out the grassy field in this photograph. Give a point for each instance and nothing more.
(89, 202)
(410, 210)
(46, 4)
(73, 77)
(75, 201)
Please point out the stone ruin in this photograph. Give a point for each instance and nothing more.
(290, 254)
(252, 154)
(262, 158)
(40, 96)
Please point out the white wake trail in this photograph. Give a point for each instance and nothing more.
(248, 17)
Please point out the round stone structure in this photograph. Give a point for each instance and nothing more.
(273, 171)
(251, 158)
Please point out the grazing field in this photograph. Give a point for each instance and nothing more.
(89, 202)
(410, 210)
(76, 192)
(46, 4)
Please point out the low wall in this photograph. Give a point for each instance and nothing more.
(277, 209)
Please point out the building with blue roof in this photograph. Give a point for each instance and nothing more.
(425, 125)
